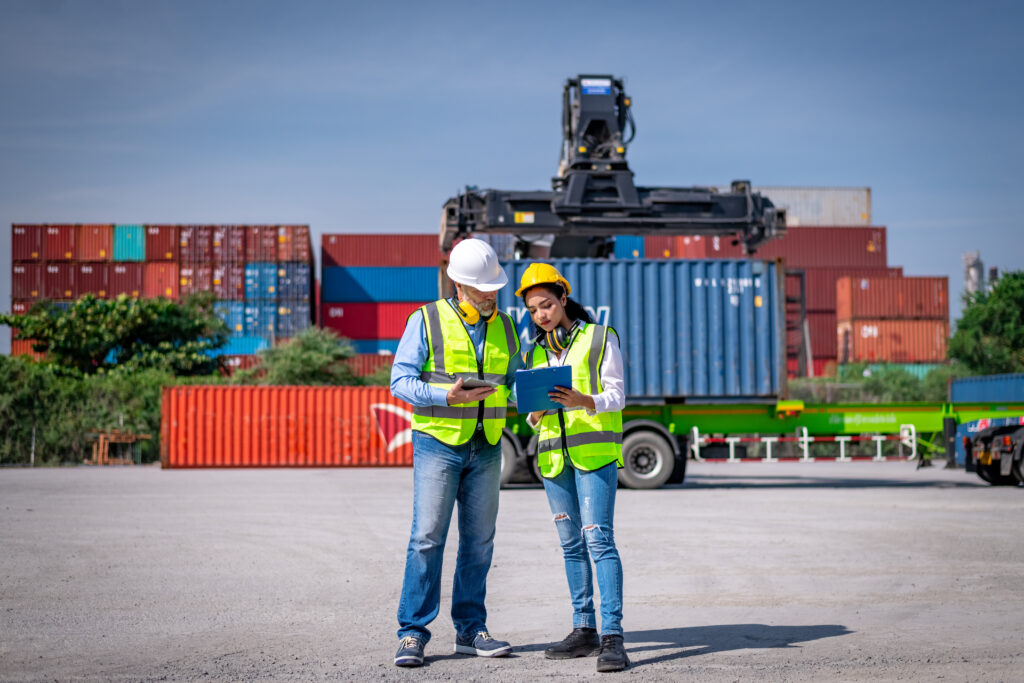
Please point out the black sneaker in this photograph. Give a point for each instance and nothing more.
(613, 654)
(582, 642)
(482, 645)
(410, 652)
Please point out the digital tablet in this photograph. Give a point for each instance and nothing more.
(474, 383)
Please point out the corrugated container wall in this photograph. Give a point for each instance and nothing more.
(293, 244)
(193, 279)
(92, 278)
(233, 315)
(260, 281)
(229, 281)
(59, 242)
(228, 244)
(161, 242)
(704, 329)
(59, 280)
(160, 279)
(195, 243)
(223, 426)
(292, 317)
(384, 320)
(95, 242)
(899, 298)
(27, 281)
(26, 243)
(828, 248)
(125, 278)
(260, 243)
(693, 247)
(393, 250)
(987, 388)
(294, 281)
(366, 283)
(21, 307)
(892, 341)
(839, 206)
(260, 318)
(820, 287)
(368, 363)
(129, 243)
(626, 247)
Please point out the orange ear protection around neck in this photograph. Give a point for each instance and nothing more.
(471, 315)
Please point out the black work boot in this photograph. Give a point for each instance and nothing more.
(613, 655)
(582, 642)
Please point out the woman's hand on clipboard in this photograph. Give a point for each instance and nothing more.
(570, 398)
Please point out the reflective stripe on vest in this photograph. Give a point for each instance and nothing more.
(451, 355)
(591, 441)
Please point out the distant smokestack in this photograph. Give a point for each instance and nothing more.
(974, 273)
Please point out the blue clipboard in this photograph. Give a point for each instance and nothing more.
(532, 387)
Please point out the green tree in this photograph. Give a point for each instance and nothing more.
(98, 335)
(989, 338)
(314, 357)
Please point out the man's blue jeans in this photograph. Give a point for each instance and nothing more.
(583, 505)
(442, 474)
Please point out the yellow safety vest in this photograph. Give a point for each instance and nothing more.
(452, 354)
(589, 441)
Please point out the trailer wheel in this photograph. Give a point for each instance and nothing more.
(508, 460)
(647, 461)
(992, 475)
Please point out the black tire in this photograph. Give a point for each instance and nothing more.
(648, 460)
(1018, 470)
(509, 460)
(991, 474)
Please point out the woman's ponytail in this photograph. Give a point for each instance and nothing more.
(575, 311)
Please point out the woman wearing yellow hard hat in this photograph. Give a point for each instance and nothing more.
(579, 453)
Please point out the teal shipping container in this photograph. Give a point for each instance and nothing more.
(241, 346)
(129, 243)
(708, 330)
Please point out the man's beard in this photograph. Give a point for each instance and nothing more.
(486, 309)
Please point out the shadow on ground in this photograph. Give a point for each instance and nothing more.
(691, 641)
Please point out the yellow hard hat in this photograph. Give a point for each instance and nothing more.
(539, 274)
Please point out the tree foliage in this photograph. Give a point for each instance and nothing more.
(126, 335)
(314, 357)
(989, 338)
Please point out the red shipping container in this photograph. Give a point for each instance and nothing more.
(822, 328)
(162, 242)
(228, 282)
(232, 363)
(892, 299)
(293, 244)
(823, 367)
(828, 247)
(377, 320)
(821, 283)
(26, 242)
(59, 242)
(160, 279)
(27, 281)
(228, 244)
(660, 246)
(368, 363)
(692, 247)
(23, 347)
(195, 244)
(21, 307)
(380, 250)
(892, 341)
(124, 278)
(225, 426)
(95, 242)
(194, 279)
(59, 280)
(92, 278)
(260, 243)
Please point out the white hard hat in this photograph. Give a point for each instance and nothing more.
(474, 263)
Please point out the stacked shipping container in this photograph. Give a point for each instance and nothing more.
(372, 283)
(902, 320)
(63, 262)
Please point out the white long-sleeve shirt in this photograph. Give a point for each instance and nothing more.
(614, 395)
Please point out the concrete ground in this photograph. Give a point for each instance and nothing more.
(747, 572)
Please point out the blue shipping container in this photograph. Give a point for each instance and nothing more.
(629, 247)
(260, 281)
(987, 388)
(375, 345)
(294, 282)
(260, 317)
(712, 329)
(241, 346)
(233, 314)
(292, 317)
(129, 243)
(364, 283)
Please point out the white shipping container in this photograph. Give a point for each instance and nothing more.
(822, 206)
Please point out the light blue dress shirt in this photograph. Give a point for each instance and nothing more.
(411, 356)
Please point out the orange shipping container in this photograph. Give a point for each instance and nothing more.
(23, 347)
(160, 279)
(892, 341)
(293, 244)
(224, 426)
(95, 242)
(892, 298)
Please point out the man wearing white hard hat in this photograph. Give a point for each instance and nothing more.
(456, 366)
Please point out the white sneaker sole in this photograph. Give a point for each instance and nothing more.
(470, 650)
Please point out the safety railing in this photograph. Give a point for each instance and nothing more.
(905, 439)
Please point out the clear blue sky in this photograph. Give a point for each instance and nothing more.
(367, 116)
